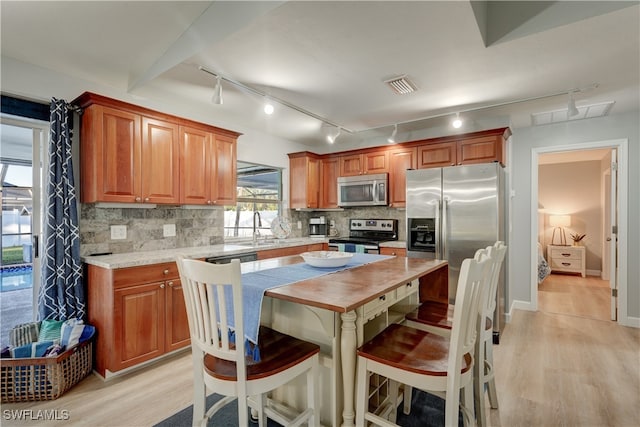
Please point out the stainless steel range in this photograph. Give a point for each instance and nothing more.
(365, 235)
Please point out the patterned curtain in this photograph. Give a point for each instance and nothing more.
(61, 294)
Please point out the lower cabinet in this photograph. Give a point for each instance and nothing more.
(139, 313)
(393, 251)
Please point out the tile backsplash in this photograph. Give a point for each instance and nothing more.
(193, 227)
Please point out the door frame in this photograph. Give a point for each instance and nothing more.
(40, 138)
(621, 146)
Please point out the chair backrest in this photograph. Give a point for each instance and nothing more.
(207, 290)
(497, 253)
(471, 281)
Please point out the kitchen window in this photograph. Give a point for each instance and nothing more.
(259, 201)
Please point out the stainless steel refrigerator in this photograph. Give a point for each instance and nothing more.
(452, 212)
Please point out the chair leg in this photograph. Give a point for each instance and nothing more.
(452, 408)
(394, 387)
(490, 373)
(199, 389)
(406, 400)
(362, 387)
(313, 395)
(243, 415)
(478, 385)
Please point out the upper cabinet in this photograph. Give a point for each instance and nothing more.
(313, 180)
(130, 154)
(304, 180)
(364, 163)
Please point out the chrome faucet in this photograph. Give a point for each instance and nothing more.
(256, 231)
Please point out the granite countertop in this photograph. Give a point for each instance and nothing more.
(134, 259)
(399, 244)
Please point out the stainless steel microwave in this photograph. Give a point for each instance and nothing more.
(363, 190)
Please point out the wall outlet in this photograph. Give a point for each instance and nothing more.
(299, 225)
(169, 230)
(118, 232)
(332, 224)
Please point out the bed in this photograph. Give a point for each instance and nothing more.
(543, 267)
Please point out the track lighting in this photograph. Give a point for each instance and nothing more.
(457, 122)
(571, 106)
(331, 137)
(217, 92)
(392, 137)
(268, 108)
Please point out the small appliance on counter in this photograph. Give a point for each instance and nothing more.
(318, 227)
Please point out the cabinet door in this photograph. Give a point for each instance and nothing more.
(399, 162)
(176, 322)
(351, 165)
(195, 166)
(329, 178)
(437, 155)
(160, 162)
(485, 149)
(224, 187)
(393, 251)
(376, 162)
(111, 146)
(139, 316)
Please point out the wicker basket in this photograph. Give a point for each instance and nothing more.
(44, 378)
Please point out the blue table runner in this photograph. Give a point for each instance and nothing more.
(254, 285)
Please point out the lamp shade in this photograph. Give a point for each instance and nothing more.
(560, 220)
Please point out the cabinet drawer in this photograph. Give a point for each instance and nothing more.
(407, 289)
(568, 253)
(566, 264)
(378, 305)
(145, 274)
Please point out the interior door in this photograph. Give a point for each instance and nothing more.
(612, 238)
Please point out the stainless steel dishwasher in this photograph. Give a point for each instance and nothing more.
(225, 259)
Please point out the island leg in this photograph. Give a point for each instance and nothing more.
(348, 349)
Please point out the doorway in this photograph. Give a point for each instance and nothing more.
(571, 293)
(20, 187)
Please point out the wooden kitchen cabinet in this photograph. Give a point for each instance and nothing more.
(130, 154)
(393, 251)
(484, 149)
(115, 145)
(304, 180)
(139, 313)
(437, 155)
(399, 161)
(329, 171)
(365, 163)
(208, 167)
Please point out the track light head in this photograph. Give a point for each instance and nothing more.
(268, 108)
(457, 122)
(217, 92)
(331, 137)
(392, 137)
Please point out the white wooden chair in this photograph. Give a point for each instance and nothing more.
(220, 364)
(427, 361)
(436, 317)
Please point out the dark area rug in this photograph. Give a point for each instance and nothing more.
(426, 410)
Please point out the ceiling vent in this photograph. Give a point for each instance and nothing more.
(401, 85)
(584, 112)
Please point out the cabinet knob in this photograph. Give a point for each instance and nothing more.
(138, 199)
(165, 272)
(409, 285)
(146, 199)
(383, 298)
(170, 284)
(208, 202)
(162, 286)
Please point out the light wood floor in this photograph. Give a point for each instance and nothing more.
(552, 369)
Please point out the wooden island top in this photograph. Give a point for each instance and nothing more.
(346, 290)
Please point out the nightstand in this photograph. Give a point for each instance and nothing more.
(568, 259)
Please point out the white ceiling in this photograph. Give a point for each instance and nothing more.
(331, 58)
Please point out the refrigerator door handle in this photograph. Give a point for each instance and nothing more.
(438, 230)
(444, 230)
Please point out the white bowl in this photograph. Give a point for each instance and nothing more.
(326, 258)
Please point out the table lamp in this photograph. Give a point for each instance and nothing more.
(559, 222)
